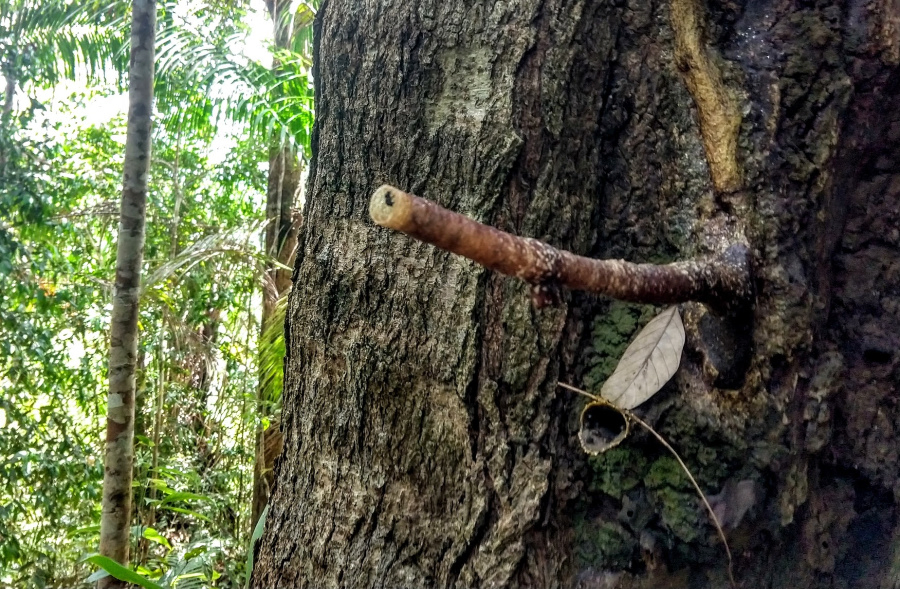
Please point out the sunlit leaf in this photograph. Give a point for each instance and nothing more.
(257, 534)
(120, 572)
(87, 530)
(154, 536)
(183, 496)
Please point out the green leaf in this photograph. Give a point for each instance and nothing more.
(186, 512)
(257, 534)
(96, 576)
(154, 536)
(85, 531)
(120, 572)
(183, 496)
(195, 552)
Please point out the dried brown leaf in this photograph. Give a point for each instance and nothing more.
(648, 363)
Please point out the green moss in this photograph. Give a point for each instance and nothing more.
(617, 471)
(710, 461)
(703, 449)
(603, 545)
(675, 499)
(680, 512)
(666, 472)
(610, 334)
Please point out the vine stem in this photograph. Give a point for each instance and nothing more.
(722, 283)
(712, 513)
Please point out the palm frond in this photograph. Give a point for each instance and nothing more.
(216, 84)
(58, 39)
(236, 244)
(271, 354)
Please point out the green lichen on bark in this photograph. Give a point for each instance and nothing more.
(604, 545)
(707, 452)
(655, 502)
(679, 508)
(617, 471)
(611, 331)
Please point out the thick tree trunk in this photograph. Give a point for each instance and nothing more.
(426, 442)
(115, 522)
(281, 245)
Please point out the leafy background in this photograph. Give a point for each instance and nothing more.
(219, 107)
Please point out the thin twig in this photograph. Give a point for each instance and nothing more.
(723, 283)
(579, 391)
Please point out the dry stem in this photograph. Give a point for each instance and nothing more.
(722, 283)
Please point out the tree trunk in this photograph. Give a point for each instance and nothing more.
(426, 441)
(115, 522)
(9, 95)
(281, 245)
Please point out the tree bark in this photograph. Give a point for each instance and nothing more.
(115, 522)
(426, 442)
(9, 95)
(281, 245)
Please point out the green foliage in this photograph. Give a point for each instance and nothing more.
(43, 42)
(111, 567)
(196, 60)
(192, 566)
(272, 358)
(205, 270)
(251, 549)
(47, 450)
(201, 354)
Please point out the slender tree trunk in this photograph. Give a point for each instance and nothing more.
(281, 244)
(9, 95)
(426, 441)
(115, 522)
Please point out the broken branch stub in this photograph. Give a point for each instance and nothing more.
(723, 283)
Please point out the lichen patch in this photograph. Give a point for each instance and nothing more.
(466, 88)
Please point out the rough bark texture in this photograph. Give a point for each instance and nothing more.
(281, 244)
(115, 521)
(426, 443)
